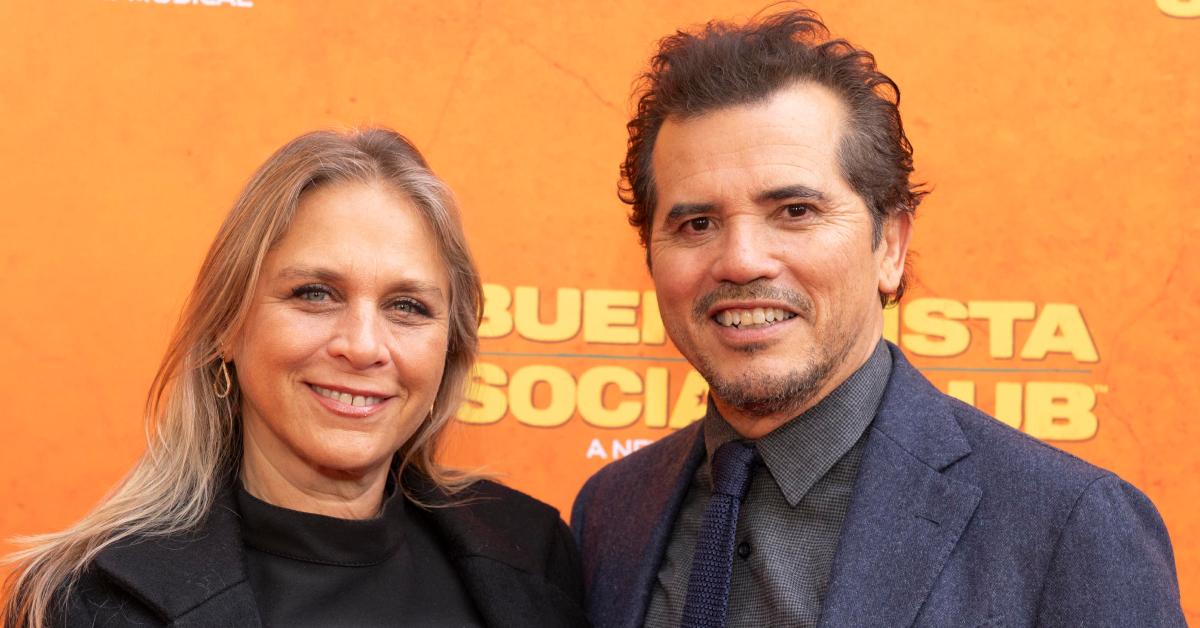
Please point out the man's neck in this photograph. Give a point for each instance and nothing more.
(753, 426)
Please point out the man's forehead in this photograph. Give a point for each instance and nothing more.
(788, 139)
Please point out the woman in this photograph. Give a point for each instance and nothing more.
(290, 477)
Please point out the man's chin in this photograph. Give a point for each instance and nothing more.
(767, 396)
(751, 348)
(765, 407)
(766, 389)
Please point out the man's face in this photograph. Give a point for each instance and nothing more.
(762, 254)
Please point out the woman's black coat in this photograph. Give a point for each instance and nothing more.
(516, 559)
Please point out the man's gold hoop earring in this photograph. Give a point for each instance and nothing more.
(223, 385)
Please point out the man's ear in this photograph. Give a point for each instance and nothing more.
(893, 250)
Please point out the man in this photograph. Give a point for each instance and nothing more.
(829, 483)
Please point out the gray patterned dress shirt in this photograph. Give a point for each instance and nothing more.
(789, 524)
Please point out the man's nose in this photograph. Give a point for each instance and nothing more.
(360, 337)
(747, 252)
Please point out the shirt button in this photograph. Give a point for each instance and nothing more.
(744, 549)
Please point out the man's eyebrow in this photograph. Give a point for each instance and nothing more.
(790, 192)
(681, 210)
(317, 273)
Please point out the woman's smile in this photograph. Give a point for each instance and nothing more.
(348, 402)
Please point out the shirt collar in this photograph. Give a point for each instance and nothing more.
(801, 451)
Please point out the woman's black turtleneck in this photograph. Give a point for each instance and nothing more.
(313, 570)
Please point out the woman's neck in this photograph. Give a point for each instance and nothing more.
(298, 486)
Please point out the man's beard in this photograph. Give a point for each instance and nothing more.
(767, 394)
(761, 394)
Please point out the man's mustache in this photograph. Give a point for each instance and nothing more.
(757, 289)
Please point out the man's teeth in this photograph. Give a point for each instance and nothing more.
(751, 318)
(347, 398)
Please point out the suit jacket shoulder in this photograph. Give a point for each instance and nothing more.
(1084, 529)
(990, 525)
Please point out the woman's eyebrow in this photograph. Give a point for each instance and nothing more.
(310, 272)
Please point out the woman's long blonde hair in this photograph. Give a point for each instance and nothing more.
(194, 437)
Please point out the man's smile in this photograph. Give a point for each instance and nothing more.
(743, 318)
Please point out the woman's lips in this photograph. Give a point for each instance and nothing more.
(348, 403)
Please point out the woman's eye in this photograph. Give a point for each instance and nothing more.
(314, 294)
(697, 224)
(410, 306)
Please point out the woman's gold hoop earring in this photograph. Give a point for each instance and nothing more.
(223, 385)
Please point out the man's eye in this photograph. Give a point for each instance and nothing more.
(796, 211)
(697, 224)
(315, 294)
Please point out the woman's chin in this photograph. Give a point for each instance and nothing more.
(349, 463)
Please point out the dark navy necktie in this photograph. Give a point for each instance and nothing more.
(707, 601)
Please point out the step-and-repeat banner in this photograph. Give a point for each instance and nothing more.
(1055, 261)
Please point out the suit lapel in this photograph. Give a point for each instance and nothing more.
(905, 516)
(200, 574)
(661, 504)
(626, 580)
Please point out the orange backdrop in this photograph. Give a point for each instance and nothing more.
(1056, 259)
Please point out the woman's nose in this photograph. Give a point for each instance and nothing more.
(361, 337)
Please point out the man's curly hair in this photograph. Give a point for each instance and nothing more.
(724, 65)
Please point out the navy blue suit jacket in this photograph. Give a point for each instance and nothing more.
(955, 520)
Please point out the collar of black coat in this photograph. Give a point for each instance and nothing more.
(175, 574)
